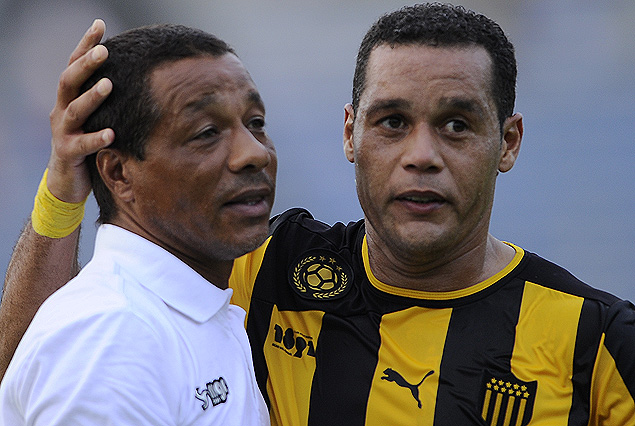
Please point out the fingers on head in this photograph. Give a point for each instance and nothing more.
(91, 37)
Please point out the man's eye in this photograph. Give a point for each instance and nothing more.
(208, 132)
(392, 122)
(455, 126)
(256, 124)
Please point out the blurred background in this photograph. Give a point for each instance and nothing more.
(569, 197)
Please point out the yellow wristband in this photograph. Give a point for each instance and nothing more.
(52, 217)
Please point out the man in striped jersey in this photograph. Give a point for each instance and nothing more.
(416, 315)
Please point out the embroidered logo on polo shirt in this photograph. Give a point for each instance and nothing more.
(215, 393)
(320, 275)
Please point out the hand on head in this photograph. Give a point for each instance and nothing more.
(68, 176)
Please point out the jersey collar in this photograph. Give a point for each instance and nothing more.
(441, 295)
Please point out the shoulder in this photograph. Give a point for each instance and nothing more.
(604, 323)
(97, 308)
(89, 359)
(296, 239)
(620, 336)
(294, 215)
(610, 315)
(101, 295)
(67, 329)
(542, 272)
(298, 225)
(71, 345)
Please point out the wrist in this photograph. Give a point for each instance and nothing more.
(52, 217)
(67, 182)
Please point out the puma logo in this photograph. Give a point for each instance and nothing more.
(393, 376)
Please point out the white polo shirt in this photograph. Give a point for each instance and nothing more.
(137, 338)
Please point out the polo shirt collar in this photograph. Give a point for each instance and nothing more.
(178, 285)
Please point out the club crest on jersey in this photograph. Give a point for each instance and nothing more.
(320, 275)
(506, 400)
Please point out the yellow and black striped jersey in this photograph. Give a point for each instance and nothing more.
(332, 345)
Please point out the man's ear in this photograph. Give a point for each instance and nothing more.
(512, 137)
(112, 166)
(349, 118)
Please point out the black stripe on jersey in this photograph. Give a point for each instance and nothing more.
(258, 315)
(550, 275)
(620, 330)
(584, 356)
(339, 365)
(280, 219)
(467, 355)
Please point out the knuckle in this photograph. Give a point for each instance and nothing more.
(71, 113)
(64, 83)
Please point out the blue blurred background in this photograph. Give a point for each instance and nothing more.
(569, 197)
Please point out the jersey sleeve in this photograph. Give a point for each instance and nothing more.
(613, 386)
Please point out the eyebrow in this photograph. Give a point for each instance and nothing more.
(253, 97)
(387, 104)
(201, 103)
(462, 104)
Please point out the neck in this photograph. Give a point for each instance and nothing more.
(216, 271)
(450, 270)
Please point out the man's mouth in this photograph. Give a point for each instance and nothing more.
(251, 202)
(421, 199)
(248, 201)
(421, 202)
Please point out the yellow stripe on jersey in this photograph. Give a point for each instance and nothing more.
(407, 373)
(439, 295)
(607, 393)
(545, 313)
(244, 275)
(290, 350)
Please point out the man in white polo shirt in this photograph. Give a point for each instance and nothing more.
(145, 335)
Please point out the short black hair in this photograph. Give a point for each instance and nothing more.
(130, 109)
(444, 25)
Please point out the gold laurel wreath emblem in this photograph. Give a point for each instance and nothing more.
(296, 273)
(296, 281)
(335, 292)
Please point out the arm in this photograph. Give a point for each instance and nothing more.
(613, 383)
(40, 265)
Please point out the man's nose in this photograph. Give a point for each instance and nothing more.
(422, 149)
(247, 152)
